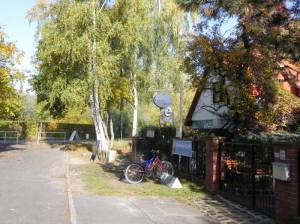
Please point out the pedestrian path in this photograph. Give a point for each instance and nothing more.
(32, 186)
(225, 212)
(133, 210)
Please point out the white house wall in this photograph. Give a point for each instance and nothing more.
(207, 114)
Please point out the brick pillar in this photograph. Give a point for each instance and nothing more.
(287, 192)
(212, 165)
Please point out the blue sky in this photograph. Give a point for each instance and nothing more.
(17, 27)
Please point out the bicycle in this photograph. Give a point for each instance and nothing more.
(135, 172)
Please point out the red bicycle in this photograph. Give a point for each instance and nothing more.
(135, 172)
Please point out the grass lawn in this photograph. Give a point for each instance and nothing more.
(106, 180)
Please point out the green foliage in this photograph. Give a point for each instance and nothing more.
(265, 33)
(135, 46)
(10, 101)
(82, 129)
(63, 56)
(27, 130)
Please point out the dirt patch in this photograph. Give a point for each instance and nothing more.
(78, 161)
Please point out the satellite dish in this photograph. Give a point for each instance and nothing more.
(162, 100)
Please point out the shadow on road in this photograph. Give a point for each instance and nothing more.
(10, 147)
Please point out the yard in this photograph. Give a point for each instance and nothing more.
(108, 180)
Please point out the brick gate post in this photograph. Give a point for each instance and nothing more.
(287, 192)
(212, 165)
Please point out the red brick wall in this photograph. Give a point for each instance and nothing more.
(211, 182)
(287, 193)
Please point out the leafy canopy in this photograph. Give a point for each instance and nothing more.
(264, 33)
(10, 104)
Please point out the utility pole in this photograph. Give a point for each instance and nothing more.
(181, 106)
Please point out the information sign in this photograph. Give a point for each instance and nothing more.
(183, 147)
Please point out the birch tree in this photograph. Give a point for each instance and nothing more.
(75, 61)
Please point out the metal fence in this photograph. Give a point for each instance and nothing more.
(8, 137)
(246, 175)
(192, 168)
(54, 137)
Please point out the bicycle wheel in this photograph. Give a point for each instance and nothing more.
(134, 173)
(164, 167)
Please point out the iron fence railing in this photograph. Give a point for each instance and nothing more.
(9, 137)
(246, 175)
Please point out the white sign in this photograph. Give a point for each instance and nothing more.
(282, 155)
(178, 133)
(74, 136)
(166, 120)
(281, 171)
(168, 111)
(162, 100)
(150, 133)
(183, 147)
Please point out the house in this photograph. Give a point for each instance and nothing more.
(210, 102)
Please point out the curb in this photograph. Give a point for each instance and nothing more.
(72, 211)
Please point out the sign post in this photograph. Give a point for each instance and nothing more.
(183, 147)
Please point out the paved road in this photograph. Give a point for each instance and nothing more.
(33, 191)
(121, 210)
(32, 185)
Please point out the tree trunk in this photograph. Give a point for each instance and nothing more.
(112, 133)
(135, 110)
(159, 6)
(102, 139)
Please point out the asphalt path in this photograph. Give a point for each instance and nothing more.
(32, 185)
(34, 189)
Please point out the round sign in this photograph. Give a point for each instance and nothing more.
(168, 111)
(162, 100)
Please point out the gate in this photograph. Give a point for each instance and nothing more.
(246, 175)
(192, 168)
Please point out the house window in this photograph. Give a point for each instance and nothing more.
(220, 93)
(203, 124)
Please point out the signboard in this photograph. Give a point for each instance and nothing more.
(178, 133)
(183, 147)
(168, 111)
(164, 120)
(74, 136)
(281, 171)
(162, 100)
(150, 133)
(282, 155)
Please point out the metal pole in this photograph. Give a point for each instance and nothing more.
(181, 108)
(4, 137)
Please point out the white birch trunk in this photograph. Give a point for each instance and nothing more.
(112, 133)
(101, 137)
(135, 110)
(159, 6)
(100, 128)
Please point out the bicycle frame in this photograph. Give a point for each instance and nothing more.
(151, 164)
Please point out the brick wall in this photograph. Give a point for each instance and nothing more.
(212, 163)
(287, 193)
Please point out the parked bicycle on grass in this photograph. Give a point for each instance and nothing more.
(136, 172)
